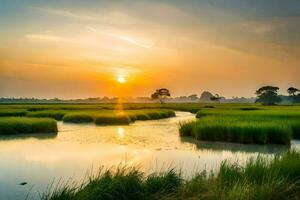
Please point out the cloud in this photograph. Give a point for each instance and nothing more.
(122, 70)
(42, 37)
(261, 27)
(67, 14)
(46, 37)
(128, 39)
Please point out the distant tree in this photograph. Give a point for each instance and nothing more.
(216, 98)
(294, 97)
(297, 98)
(205, 96)
(267, 95)
(193, 97)
(161, 95)
(292, 91)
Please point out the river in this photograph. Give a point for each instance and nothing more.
(78, 149)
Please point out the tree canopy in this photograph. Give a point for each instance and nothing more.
(216, 97)
(161, 95)
(205, 96)
(292, 91)
(267, 95)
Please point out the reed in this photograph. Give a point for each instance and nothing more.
(23, 125)
(78, 118)
(54, 114)
(111, 119)
(240, 130)
(260, 179)
(12, 112)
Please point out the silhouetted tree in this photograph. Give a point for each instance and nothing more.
(193, 97)
(267, 95)
(216, 98)
(161, 95)
(292, 91)
(205, 96)
(294, 97)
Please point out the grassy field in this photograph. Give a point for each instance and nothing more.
(252, 124)
(260, 179)
(99, 114)
(70, 112)
(12, 112)
(23, 125)
(117, 117)
(242, 123)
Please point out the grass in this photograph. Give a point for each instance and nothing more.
(116, 117)
(12, 112)
(78, 113)
(231, 129)
(55, 114)
(244, 118)
(260, 179)
(24, 125)
(78, 118)
(112, 119)
(245, 125)
(30, 124)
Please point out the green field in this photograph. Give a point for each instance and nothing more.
(260, 179)
(104, 114)
(241, 123)
(24, 125)
(251, 124)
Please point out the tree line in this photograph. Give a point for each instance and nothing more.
(266, 95)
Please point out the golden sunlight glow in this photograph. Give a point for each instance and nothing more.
(121, 79)
(121, 132)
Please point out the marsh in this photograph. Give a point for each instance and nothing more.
(154, 145)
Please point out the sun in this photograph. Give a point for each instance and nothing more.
(121, 79)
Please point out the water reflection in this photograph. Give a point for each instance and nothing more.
(121, 132)
(232, 147)
(39, 136)
(152, 145)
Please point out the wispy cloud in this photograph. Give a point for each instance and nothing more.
(46, 37)
(66, 13)
(261, 27)
(126, 38)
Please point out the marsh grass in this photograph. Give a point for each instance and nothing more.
(12, 112)
(120, 183)
(231, 129)
(24, 125)
(261, 178)
(116, 119)
(78, 118)
(259, 126)
(54, 114)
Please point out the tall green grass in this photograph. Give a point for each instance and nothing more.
(261, 126)
(55, 114)
(108, 119)
(23, 125)
(116, 117)
(78, 118)
(259, 179)
(233, 129)
(12, 112)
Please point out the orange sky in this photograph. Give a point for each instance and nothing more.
(78, 49)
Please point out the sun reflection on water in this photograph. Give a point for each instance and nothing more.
(121, 132)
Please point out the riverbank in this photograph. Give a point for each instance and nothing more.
(260, 179)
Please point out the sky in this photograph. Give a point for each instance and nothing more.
(92, 48)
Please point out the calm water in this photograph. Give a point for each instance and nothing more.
(77, 149)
